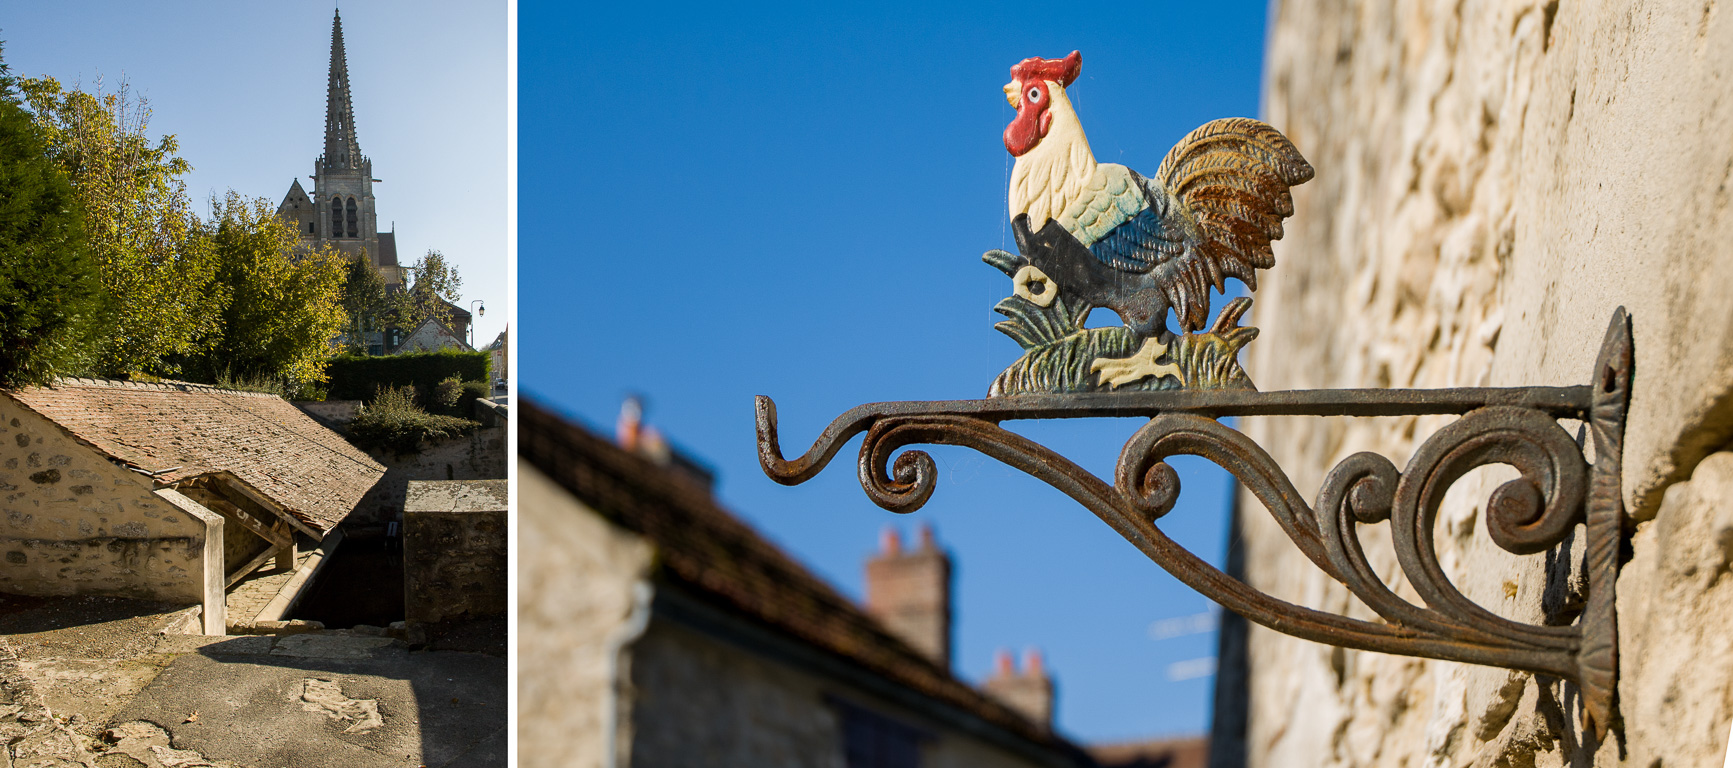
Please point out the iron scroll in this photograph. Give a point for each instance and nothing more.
(1558, 490)
(1146, 246)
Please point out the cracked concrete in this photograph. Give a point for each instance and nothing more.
(95, 682)
(326, 696)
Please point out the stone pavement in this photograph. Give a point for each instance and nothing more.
(256, 590)
(94, 682)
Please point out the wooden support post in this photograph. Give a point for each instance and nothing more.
(286, 549)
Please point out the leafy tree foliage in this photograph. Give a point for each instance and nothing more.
(433, 283)
(137, 218)
(366, 302)
(51, 298)
(283, 304)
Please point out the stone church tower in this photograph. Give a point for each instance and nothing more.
(341, 211)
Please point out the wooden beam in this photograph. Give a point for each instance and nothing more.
(251, 522)
(235, 484)
(278, 535)
(251, 566)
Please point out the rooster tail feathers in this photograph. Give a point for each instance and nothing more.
(1269, 150)
(1231, 178)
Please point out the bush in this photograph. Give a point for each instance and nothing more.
(395, 422)
(358, 377)
(457, 398)
(448, 393)
(473, 390)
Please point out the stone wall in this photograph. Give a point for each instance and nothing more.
(606, 668)
(331, 413)
(576, 577)
(74, 523)
(1494, 177)
(454, 550)
(480, 455)
(700, 701)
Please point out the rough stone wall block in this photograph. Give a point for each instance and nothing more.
(1494, 177)
(73, 522)
(454, 551)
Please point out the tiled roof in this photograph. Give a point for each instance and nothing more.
(176, 431)
(705, 547)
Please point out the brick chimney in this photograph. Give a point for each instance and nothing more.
(910, 592)
(1029, 691)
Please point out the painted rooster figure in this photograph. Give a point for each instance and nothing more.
(1105, 235)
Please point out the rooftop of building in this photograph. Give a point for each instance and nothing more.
(709, 551)
(175, 431)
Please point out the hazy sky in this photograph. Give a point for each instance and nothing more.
(243, 87)
(719, 201)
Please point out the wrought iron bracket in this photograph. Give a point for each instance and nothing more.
(1517, 426)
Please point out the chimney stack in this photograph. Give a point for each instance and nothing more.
(910, 592)
(1029, 692)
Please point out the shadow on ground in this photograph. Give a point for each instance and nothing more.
(325, 698)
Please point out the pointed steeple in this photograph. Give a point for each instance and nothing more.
(341, 149)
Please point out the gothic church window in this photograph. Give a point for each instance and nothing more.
(353, 231)
(336, 217)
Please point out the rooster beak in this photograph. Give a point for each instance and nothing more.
(1011, 94)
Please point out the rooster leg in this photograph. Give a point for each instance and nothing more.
(1118, 372)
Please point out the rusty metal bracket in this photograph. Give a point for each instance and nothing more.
(1518, 426)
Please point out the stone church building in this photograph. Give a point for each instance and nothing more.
(342, 211)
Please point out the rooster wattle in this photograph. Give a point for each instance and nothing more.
(1110, 237)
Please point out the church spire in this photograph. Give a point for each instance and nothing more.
(341, 149)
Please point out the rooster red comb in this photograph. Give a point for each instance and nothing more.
(1062, 71)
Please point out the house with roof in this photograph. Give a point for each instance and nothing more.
(655, 626)
(431, 336)
(171, 492)
(499, 361)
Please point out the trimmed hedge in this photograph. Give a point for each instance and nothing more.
(358, 377)
(472, 391)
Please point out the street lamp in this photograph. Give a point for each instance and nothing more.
(477, 313)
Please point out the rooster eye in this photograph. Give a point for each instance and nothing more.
(1034, 94)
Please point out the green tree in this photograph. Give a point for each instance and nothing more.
(432, 284)
(285, 302)
(366, 302)
(137, 218)
(51, 298)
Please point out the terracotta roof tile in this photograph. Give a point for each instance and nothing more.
(175, 431)
(706, 547)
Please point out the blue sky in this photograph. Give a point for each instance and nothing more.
(243, 87)
(720, 202)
